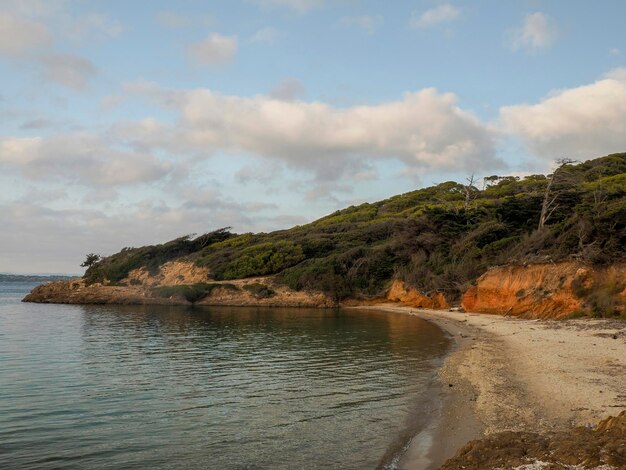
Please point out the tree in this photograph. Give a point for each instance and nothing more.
(470, 190)
(214, 237)
(90, 260)
(550, 196)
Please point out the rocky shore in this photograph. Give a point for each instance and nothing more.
(544, 291)
(172, 285)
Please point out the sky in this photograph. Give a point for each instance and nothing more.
(125, 123)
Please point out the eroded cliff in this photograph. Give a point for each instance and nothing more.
(551, 290)
(554, 290)
(400, 292)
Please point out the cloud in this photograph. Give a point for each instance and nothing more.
(34, 8)
(442, 14)
(215, 49)
(93, 24)
(71, 233)
(615, 52)
(581, 123)
(68, 70)
(288, 90)
(537, 32)
(79, 159)
(266, 35)
(425, 129)
(173, 20)
(300, 6)
(36, 124)
(365, 22)
(202, 198)
(19, 36)
(327, 190)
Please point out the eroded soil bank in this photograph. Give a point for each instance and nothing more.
(544, 291)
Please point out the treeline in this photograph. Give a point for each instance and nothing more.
(439, 238)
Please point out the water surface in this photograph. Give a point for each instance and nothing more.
(223, 388)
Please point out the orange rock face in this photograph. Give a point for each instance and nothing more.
(399, 292)
(545, 290)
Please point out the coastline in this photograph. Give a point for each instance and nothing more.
(509, 374)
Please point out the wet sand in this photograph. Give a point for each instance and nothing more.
(507, 374)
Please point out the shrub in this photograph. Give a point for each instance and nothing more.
(428, 238)
(260, 291)
(191, 292)
(117, 267)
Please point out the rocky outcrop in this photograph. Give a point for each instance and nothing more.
(555, 290)
(400, 292)
(233, 294)
(532, 291)
(580, 447)
(75, 291)
(141, 287)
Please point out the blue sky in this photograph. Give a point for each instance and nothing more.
(126, 123)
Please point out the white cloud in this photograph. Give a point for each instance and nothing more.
(581, 123)
(442, 14)
(68, 70)
(215, 49)
(537, 32)
(71, 233)
(615, 52)
(365, 22)
(300, 6)
(424, 129)
(288, 90)
(19, 36)
(266, 35)
(79, 159)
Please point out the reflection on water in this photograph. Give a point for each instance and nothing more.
(224, 388)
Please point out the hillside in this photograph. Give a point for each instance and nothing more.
(439, 239)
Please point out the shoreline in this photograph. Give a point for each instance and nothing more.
(509, 374)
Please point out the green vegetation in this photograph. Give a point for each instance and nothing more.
(116, 267)
(90, 260)
(260, 291)
(438, 238)
(192, 293)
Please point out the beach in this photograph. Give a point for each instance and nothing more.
(508, 374)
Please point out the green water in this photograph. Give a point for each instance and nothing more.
(219, 388)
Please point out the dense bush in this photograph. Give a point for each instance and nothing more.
(435, 238)
(192, 293)
(117, 267)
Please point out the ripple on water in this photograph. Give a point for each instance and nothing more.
(110, 387)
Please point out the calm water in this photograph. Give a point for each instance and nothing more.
(146, 387)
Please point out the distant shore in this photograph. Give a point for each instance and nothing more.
(507, 374)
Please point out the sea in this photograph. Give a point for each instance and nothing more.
(153, 387)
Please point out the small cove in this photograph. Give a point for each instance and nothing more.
(228, 388)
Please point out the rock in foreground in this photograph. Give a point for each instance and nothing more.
(603, 446)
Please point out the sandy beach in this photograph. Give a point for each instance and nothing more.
(507, 374)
